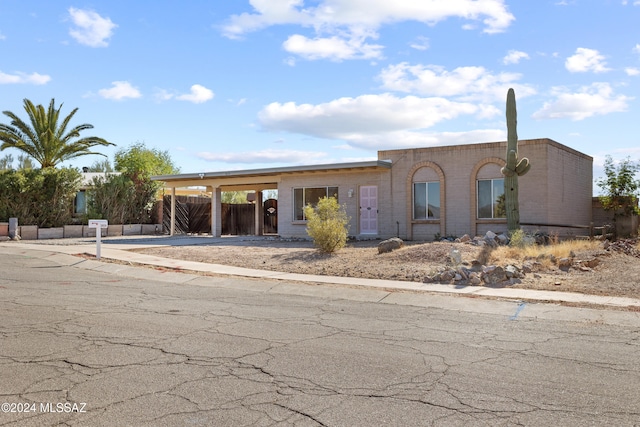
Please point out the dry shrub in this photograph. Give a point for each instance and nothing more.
(563, 249)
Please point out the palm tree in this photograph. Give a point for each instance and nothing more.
(44, 139)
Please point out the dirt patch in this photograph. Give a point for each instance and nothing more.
(616, 272)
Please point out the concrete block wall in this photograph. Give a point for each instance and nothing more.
(557, 189)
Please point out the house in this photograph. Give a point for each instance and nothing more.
(87, 179)
(419, 193)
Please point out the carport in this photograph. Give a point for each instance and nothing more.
(254, 180)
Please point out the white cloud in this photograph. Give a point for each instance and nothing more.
(33, 78)
(466, 83)
(408, 139)
(198, 95)
(119, 91)
(369, 120)
(343, 26)
(333, 48)
(596, 99)
(636, 48)
(264, 156)
(91, 29)
(367, 14)
(421, 43)
(514, 57)
(586, 60)
(632, 71)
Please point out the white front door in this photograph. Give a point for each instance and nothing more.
(369, 209)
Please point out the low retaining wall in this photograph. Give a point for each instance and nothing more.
(33, 232)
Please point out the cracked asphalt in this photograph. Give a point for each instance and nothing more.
(142, 348)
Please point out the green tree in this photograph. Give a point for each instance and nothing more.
(137, 159)
(327, 224)
(24, 162)
(234, 197)
(130, 196)
(6, 162)
(45, 137)
(103, 165)
(620, 187)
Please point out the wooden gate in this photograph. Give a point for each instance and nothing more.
(238, 219)
(270, 216)
(193, 214)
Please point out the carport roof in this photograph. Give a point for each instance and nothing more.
(272, 172)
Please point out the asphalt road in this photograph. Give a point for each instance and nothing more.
(82, 347)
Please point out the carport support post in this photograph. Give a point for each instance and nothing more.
(216, 212)
(258, 213)
(173, 211)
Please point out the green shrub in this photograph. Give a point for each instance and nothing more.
(42, 197)
(327, 224)
(519, 239)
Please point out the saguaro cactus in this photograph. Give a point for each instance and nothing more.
(514, 168)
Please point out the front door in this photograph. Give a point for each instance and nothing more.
(369, 209)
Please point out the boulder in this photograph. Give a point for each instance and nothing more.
(390, 245)
(493, 275)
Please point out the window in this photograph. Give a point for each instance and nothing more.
(309, 196)
(491, 198)
(426, 200)
(80, 205)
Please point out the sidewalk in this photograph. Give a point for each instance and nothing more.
(118, 249)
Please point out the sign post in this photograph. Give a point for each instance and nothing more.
(98, 224)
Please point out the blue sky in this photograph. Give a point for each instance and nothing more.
(224, 85)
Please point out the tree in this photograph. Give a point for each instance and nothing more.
(103, 165)
(620, 187)
(140, 160)
(6, 162)
(130, 196)
(327, 224)
(45, 138)
(24, 162)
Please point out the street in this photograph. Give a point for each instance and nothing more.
(86, 347)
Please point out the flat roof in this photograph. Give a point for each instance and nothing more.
(337, 167)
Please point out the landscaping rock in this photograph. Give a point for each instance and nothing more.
(493, 275)
(564, 263)
(390, 245)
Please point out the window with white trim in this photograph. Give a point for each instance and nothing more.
(426, 200)
(309, 196)
(490, 199)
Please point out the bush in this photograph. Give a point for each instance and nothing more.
(42, 197)
(123, 199)
(327, 224)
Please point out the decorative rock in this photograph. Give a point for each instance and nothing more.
(511, 272)
(456, 257)
(502, 239)
(464, 239)
(474, 279)
(390, 245)
(494, 274)
(447, 276)
(564, 263)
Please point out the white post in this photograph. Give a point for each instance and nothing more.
(172, 231)
(98, 242)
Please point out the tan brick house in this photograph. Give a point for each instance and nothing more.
(420, 193)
